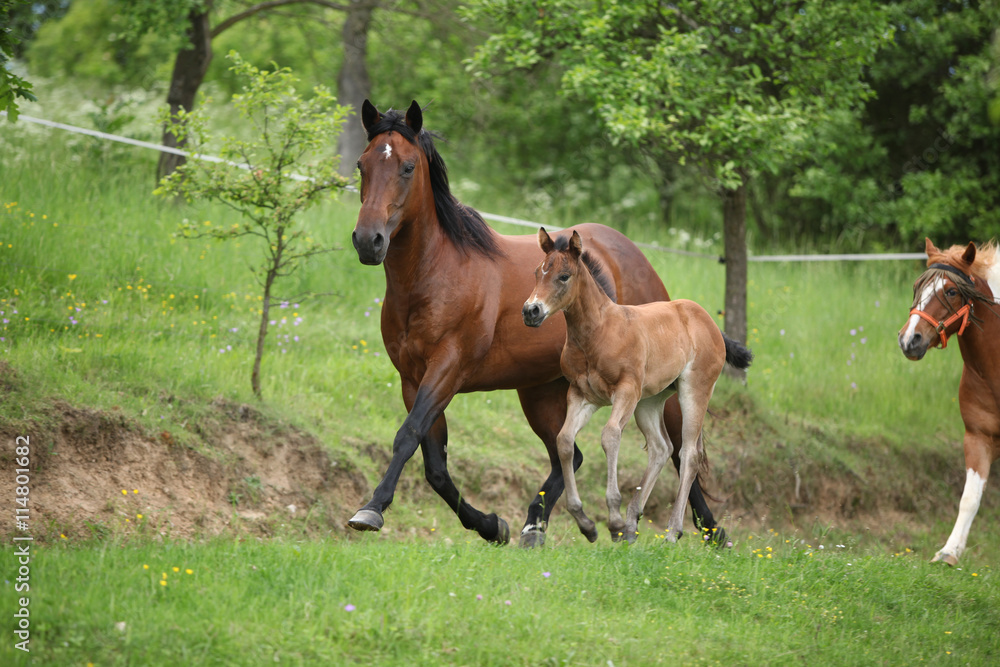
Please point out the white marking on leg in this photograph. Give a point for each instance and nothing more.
(387, 152)
(967, 508)
(925, 298)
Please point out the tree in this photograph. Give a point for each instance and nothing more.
(732, 88)
(12, 86)
(920, 158)
(281, 171)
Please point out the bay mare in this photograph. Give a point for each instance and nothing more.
(451, 318)
(632, 358)
(956, 296)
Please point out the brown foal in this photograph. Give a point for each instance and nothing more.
(631, 358)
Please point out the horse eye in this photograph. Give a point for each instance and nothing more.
(952, 292)
(564, 277)
(408, 168)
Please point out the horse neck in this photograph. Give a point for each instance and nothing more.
(588, 311)
(418, 250)
(980, 344)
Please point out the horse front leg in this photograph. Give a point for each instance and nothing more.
(578, 413)
(545, 409)
(623, 405)
(435, 449)
(977, 461)
(425, 407)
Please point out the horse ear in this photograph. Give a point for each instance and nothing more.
(369, 115)
(969, 256)
(929, 248)
(576, 244)
(545, 241)
(414, 117)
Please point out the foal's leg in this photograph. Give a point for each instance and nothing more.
(695, 392)
(701, 513)
(545, 409)
(578, 413)
(435, 449)
(624, 400)
(977, 462)
(649, 417)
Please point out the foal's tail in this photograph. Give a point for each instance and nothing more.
(738, 355)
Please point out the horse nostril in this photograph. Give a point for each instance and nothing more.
(378, 241)
(916, 338)
(354, 240)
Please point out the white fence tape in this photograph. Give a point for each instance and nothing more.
(855, 257)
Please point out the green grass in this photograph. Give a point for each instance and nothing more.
(772, 599)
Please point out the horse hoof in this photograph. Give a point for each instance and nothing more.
(533, 538)
(631, 536)
(503, 533)
(366, 520)
(591, 534)
(617, 535)
(941, 557)
(715, 537)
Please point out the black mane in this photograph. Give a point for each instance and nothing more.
(463, 225)
(593, 265)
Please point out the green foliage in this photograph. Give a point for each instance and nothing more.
(915, 161)
(730, 86)
(282, 170)
(92, 41)
(12, 86)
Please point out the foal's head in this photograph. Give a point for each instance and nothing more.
(559, 278)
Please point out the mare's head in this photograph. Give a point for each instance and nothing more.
(560, 277)
(404, 181)
(944, 297)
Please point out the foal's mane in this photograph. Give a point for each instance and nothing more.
(593, 265)
(461, 223)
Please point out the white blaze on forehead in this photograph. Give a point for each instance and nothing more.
(387, 152)
(925, 298)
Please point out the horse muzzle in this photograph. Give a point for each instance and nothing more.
(915, 347)
(534, 313)
(371, 246)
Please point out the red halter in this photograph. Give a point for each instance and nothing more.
(940, 327)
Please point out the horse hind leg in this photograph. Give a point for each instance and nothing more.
(435, 449)
(649, 418)
(977, 461)
(694, 393)
(701, 513)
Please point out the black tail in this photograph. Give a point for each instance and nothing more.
(738, 355)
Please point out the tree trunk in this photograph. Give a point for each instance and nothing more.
(353, 83)
(189, 71)
(734, 226)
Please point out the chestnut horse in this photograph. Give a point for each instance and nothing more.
(451, 317)
(957, 290)
(632, 358)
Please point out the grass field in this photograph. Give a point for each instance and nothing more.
(102, 307)
(772, 599)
